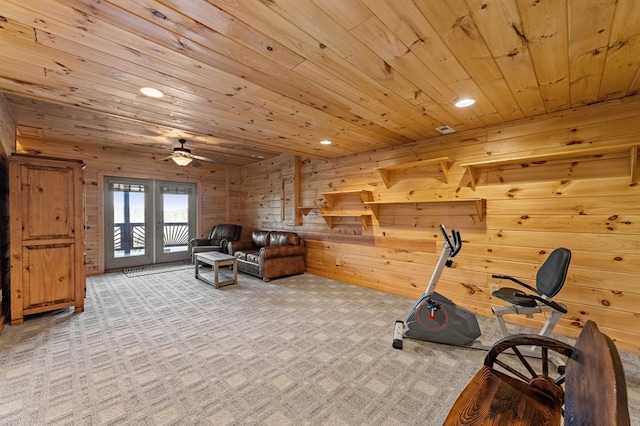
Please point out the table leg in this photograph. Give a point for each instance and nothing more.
(215, 274)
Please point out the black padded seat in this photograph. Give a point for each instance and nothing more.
(514, 296)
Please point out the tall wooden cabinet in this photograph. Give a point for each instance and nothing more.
(47, 235)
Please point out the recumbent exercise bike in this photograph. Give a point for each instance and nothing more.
(435, 318)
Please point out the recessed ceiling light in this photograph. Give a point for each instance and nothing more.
(151, 92)
(325, 142)
(465, 102)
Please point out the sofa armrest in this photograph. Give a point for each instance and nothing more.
(281, 251)
(200, 242)
(233, 246)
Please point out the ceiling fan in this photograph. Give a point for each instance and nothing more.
(183, 157)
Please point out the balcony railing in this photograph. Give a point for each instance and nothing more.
(129, 237)
(176, 234)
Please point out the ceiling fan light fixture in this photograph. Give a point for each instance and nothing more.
(181, 161)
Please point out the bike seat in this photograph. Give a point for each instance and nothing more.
(515, 296)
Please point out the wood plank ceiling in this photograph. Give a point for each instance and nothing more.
(244, 79)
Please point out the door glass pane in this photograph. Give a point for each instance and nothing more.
(175, 214)
(128, 220)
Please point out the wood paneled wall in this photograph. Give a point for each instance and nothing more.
(7, 129)
(5, 275)
(587, 203)
(7, 141)
(218, 186)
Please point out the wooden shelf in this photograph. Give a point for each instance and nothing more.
(328, 215)
(479, 202)
(388, 173)
(365, 216)
(364, 194)
(558, 155)
(306, 209)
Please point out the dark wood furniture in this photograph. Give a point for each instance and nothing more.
(596, 389)
(514, 390)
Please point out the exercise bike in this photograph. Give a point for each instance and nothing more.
(435, 318)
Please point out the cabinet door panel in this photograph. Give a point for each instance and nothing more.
(48, 275)
(47, 202)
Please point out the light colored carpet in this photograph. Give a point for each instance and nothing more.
(166, 349)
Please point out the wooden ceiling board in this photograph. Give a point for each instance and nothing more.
(246, 78)
(623, 56)
(290, 81)
(499, 25)
(331, 80)
(410, 26)
(461, 35)
(589, 32)
(546, 33)
(191, 115)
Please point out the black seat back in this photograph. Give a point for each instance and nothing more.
(553, 272)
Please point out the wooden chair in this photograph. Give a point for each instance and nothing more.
(594, 385)
(595, 389)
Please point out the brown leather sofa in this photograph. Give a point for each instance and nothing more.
(269, 254)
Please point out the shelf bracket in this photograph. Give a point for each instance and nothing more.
(480, 206)
(472, 176)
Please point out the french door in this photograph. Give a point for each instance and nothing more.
(147, 221)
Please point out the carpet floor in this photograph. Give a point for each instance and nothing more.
(167, 349)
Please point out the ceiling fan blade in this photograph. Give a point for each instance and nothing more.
(165, 158)
(210, 160)
(196, 163)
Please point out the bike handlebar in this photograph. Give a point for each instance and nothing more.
(456, 244)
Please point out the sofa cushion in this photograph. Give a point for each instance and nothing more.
(260, 238)
(284, 239)
(240, 255)
(253, 257)
(248, 255)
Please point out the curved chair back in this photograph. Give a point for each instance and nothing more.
(225, 231)
(553, 272)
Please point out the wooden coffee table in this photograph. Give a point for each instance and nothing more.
(216, 260)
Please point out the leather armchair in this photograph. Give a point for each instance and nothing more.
(218, 238)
